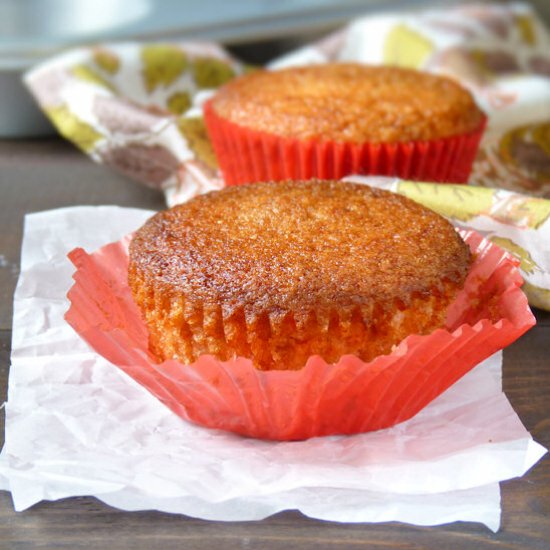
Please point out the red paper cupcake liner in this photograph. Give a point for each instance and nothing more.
(348, 397)
(248, 156)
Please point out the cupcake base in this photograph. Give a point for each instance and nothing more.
(247, 156)
(347, 397)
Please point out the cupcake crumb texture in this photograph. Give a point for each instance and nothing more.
(280, 271)
(349, 102)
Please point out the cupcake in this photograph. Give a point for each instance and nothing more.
(332, 120)
(279, 272)
(258, 309)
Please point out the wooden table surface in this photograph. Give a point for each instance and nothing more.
(44, 174)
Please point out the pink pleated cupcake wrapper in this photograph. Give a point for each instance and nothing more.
(247, 156)
(348, 397)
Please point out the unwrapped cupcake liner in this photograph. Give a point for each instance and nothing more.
(246, 155)
(348, 397)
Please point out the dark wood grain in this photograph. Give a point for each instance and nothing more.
(48, 174)
(44, 174)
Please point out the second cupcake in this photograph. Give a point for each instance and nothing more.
(333, 120)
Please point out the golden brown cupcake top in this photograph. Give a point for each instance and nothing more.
(349, 102)
(297, 246)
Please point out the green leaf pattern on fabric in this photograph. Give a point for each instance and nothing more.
(527, 263)
(526, 28)
(406, 47)
(87, 74)
(196, 136)
(106, 60)
(537, 296)
(522, 211)
(82, 134)
(459, 202)
(179, 102)
(211, 73)
(163, 64)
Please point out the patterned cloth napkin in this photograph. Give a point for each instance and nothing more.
(138, 109)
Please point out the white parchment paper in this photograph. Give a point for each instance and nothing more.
(76, 425)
